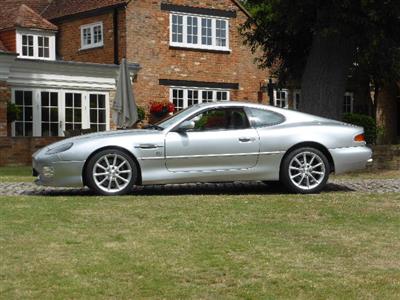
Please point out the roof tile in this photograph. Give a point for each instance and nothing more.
(62, 8)
(25, 17)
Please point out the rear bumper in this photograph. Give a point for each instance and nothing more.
(351, 159)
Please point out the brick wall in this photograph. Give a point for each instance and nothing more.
(5, 96)
(19, 150)
(9, 39)
(69, 39)
(148, 44)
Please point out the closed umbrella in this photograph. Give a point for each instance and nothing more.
(124, 109)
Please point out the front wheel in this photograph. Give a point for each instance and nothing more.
(111, 172)
(305, 171)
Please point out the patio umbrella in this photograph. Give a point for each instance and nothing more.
(124, 109)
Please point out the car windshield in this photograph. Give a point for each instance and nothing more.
(176, 117)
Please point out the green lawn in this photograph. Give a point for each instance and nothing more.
(16, 174)
(333, 245)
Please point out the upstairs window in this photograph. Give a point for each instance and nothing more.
(36, 45)
(92, 35)
(44, 46)
(27, 45)
(199, 32)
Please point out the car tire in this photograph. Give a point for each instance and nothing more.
(305, 171)
(111, 172)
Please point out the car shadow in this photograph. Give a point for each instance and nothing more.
(234, 188)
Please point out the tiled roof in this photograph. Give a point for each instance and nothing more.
(62, 8)
(37, 5)
(23, 16)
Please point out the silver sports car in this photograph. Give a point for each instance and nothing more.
(213, 142)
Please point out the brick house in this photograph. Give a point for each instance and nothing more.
(53, 95)
(188, 52)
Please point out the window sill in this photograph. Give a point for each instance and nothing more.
(91, 48)
(185, 48)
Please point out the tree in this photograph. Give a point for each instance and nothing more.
(321, 41)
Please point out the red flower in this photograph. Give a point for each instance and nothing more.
(158, 108)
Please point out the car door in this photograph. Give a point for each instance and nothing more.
(222, 139)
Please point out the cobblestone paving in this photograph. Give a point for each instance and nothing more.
(236, 188)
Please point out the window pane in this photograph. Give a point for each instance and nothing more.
(45, 98)
(77, 115)
(68, 100)
(68, 115)
(192, 30)
(206, 31)
(77, 100)
(28, 98)
(40, 41)
(262, 118)
(54, 129)
(93, 116)
(45, 129)
(28, 129)
(19, 129)
(54, 99)
(19, 97)
(221, 33)
(102, 116)
(54, 114)
(177, 99)
(45, 114)
(102, 101)
(177, 28)
(93, 101)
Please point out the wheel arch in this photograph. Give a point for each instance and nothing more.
(315, 145)
(127, 152)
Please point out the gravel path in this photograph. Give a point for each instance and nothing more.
(354, 185)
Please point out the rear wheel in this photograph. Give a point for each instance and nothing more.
(111, 172)
(305, 171)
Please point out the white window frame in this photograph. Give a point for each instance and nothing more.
(199, 44)
(286, 100)
(351, 96)
(200, 94)
(36, 34)
(91, 27)
(37, 108)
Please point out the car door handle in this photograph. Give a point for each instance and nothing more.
(147, 146)
(246, 139)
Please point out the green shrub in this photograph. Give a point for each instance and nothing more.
(369, 124)
(141, 113)
(13, 112)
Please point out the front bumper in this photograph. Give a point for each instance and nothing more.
(351, 158)
(51, 172)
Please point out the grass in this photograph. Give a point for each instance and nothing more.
(16, 174)
(333, 245)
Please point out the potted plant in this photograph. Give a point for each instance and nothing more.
(160, 109)
(13, 112)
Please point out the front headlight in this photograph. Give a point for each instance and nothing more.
(60, 149)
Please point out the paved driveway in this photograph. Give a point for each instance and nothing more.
(359, 185)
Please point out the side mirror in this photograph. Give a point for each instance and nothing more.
(185, 126)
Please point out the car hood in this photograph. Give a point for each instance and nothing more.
(104, 135)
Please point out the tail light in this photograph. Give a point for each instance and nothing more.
(359, 138)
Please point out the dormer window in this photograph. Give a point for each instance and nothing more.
(34, 44)
(92, 35)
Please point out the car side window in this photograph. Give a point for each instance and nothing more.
(221, 119)
(264, 118)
